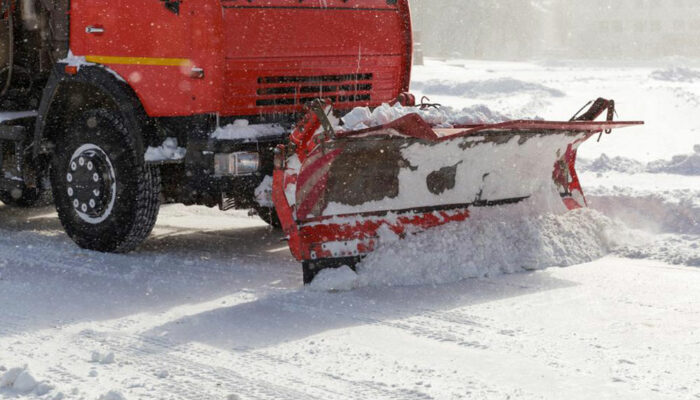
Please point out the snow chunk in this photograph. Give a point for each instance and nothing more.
(112, 395)
(241, 129)
(672, 249)
(75, 61)
(102, 358)
(444, 117)
(682, 164)
(169, 150)
(676, 74)
(263, 193)
(617, 164)
(21, 380)
(25, 382)
(335, 280)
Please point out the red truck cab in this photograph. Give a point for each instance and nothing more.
(122, 80)
(242, 58)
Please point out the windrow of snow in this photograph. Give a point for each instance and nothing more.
(676, 74)
(20, 380)
(532, 235)
(485, 88)
(443, 117)
(683, 164)
(672, 249)
(241, 129)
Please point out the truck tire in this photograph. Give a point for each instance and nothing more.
(106, 196)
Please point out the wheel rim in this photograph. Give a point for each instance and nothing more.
(91, 184)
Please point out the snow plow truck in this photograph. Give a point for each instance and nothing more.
(110, 109)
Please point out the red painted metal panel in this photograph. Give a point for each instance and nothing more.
(314, 49)
(359, 51)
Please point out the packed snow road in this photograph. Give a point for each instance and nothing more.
(206, 313)
(212, 307)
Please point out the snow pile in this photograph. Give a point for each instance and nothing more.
(102, 358)
(676, 74)
(687, 164)
(169, 150)
(533, 235)
(607, 164)
(263, 193)
(333, 280)
(672, 249)
(112, 395)
(444, 117)
(683, 164)
(20, 380)
(241, 129)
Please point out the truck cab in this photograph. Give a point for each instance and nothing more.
(144, 102)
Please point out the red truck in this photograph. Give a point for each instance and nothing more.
(119, 106)
(110, 79)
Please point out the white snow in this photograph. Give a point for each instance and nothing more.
(263, 193)
(443, 117)
(682, 164)
(241, 129)
(20, 381)
(214, 298)
(80, 61)
(676, 74)
(169, 150)
(341, 279)
(112, 395)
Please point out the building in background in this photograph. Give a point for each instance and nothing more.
(527, 29)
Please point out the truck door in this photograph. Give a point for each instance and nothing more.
(148, 43)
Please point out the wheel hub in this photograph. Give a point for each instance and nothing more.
(91, 183)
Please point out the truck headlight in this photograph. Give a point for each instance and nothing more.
(240, 163)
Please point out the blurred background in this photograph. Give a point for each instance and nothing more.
(551, 29)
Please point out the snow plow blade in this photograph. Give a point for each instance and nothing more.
(337, 192)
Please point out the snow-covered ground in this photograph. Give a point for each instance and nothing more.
(211, 307)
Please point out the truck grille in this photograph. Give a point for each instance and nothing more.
(295, 90)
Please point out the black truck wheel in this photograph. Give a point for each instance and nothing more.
(106, 196)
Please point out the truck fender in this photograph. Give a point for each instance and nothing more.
(93, 86)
